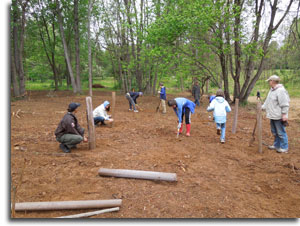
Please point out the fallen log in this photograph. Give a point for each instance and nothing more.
(138, 174)
(81, 215)
(62, 205)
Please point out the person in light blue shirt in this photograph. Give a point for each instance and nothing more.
(183, 107)
(220, 107)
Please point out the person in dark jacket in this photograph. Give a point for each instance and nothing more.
(68, 132)
(196, 93)
(163, 97)
(258, 95)
(131, 97)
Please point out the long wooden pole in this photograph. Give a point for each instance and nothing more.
(81, 215)
(90, 122)
(138, 174)
(259, 127)
(62, 205)
(113, 95)
(236, 113)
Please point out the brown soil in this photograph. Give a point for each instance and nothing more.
(215, 180)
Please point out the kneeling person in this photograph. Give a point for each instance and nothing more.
(100, 113)
(181, 107)
(68, 132)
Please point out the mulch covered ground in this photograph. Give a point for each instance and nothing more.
(215, 180)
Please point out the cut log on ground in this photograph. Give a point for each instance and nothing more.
(63, 205)
(138, 174)
(89, 214)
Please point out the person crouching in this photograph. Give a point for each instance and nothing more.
(181, 107)
(100, 113)
(68, 132)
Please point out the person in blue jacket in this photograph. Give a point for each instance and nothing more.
(211, 98)
(131, 97)
(181, 107)
(163, 97)
(220, 107)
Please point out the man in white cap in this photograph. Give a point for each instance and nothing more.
(277, 107)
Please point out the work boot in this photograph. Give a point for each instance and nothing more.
(181, 128)
(64, 148)
(188, 129)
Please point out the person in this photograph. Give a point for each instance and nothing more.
(68, 132)
(196, 93)
(181, 107)
(277, 107)
(211, 98)
(220, 107)
(131, 97)
(100, 113)
(258, 95)
(163, 97)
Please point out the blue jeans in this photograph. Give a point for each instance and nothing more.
(99, 119)
(222, 126)
(278, 130)
(197, 102)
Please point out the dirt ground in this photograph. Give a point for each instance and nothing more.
(215, 180)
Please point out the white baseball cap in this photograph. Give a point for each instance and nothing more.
(273, 78)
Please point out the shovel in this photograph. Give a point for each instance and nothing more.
(253, 134)
(177, 134)
(139, 108)
(157, 108)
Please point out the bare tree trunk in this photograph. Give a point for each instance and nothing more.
(250, 83)
(14, 80)
(154, 91)
(51, 45)
(225, 75)
(91, 2)
(69, 66)
(77, 48)
(19, 21)
(133, 52)
(21, 50)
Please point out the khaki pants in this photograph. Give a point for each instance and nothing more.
(70, 140)
(163, 104)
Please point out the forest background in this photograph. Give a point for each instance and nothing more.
(123, 44)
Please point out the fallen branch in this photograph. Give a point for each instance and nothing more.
(138, 174)
(61, 205)
(91, 213)
(17, 113)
